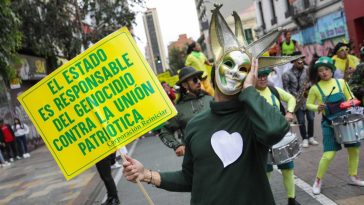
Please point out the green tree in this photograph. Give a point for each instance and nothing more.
(10, 39)
(56, 28)
(177, 59)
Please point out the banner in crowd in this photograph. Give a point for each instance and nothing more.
(96, 103)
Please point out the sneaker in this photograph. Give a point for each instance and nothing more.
(28, 155)
(305, 143)
(111, 201)
(116, 165)
(11, 159)
(6, 164)
(312, 141)
(17, 157)
(316, 188)
(356, 181)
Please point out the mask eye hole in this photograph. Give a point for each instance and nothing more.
(229, 63)
(243, 69)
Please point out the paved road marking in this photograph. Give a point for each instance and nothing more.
(120, 173)
(324, 200)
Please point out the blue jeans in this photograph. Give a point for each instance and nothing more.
(22, 144)
(300, 114)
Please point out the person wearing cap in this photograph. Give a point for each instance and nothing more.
(296, 82)
(325, 97)
(274, 96)
(345, 63)
(192, 101)
(289, 46)
(196, 59)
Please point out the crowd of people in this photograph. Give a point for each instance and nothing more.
(227, 134)
(13, 142)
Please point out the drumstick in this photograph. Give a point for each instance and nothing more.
(333, 88)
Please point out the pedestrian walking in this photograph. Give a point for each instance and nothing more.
(296, 81)
(275, 97)
(192, 101)
(197, 60)
(7, 134)
(289, 46)
(104, 169)
(20, 131)
(329, 93)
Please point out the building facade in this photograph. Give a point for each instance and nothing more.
(156, 54)
(316, 24)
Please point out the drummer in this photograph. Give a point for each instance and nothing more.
(329, 93)
(274, 96)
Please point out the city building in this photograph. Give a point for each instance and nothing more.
(156, 54)
(248, 19)
(204, 7)
(355, 22)
(316, 24)
(181, 43)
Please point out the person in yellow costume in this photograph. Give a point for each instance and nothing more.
(325, 97)
(273, 96)
(345, 63)
(197, 60)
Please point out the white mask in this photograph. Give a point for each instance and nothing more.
(231, 72)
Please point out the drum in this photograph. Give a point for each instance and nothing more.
(285, 150)
(349, 128)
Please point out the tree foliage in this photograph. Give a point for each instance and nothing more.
(56, 28)
(177, 59)
(10, 38)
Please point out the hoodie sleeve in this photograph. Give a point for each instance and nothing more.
(269, 125)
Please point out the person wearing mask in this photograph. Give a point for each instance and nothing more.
(274, 96)
(192, 101)
(20, 132)
(345, 63)
(296, 82)
(325, 97)
(197, 60)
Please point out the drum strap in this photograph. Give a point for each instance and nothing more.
(274, 91)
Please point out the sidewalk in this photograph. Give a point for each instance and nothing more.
(38, 180)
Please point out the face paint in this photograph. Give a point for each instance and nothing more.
(231, 72)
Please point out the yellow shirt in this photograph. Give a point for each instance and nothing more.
(341, 64)
(197, 63)
(285, 97)
(314, 94)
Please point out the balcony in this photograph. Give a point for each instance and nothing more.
(303, 12)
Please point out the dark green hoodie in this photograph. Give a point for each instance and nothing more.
(244, 181)
(187, 107)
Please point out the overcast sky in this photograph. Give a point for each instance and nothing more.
(180, 17)
(175, 17)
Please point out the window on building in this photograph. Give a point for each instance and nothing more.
(274, 16)
(249, 35)
(261, 14)
(288, 13)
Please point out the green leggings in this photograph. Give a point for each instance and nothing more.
(327, 157)
(288, 181)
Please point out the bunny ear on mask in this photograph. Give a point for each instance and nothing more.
(267, 62)
(222, 38)
(239, 31)
(258, 47)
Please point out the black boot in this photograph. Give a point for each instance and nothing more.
(111, 201)
(292, 201)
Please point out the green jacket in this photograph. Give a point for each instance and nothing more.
(250, 120)
(356, 83)
(187, 107)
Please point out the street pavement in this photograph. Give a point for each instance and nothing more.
(38, 180)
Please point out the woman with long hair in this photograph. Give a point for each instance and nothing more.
(20, 132)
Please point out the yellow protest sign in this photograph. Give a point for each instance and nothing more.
(96, 103)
